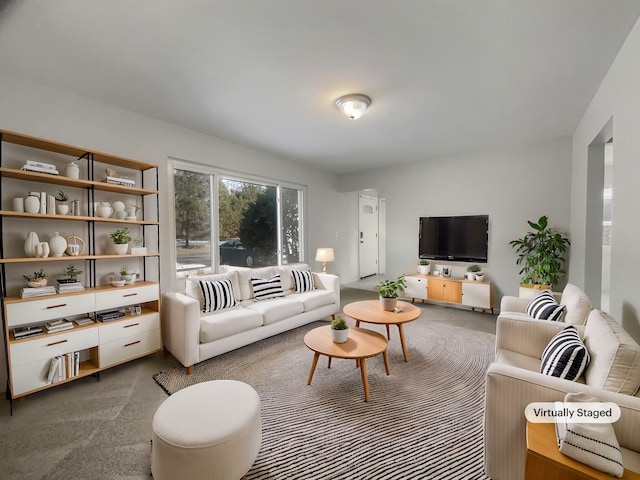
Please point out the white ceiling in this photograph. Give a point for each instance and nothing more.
(445, 76)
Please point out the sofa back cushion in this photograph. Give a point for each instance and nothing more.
(245, 276)
(193, 290)
(615, 356)
(578, 305)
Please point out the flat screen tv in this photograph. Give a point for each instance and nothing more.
(459, 238)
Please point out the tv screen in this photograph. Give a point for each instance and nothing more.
(459, 238)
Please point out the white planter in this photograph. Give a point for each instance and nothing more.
(129, 279)
(62, 208)
(479, 277)
(424, 269)
(388, 304)
(471, 275)
(120, 248)
(340, 336)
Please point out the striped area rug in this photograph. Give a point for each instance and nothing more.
(424, 421)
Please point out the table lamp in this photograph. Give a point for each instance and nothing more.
(324, 255)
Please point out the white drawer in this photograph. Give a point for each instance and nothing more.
(128, 327)
(128, 348)
(29, 376)
(121, 297)
(50, 345)
(58, 306)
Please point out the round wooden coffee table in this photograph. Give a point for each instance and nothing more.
(370, 311)
(361, 344)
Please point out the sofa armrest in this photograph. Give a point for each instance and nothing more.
(510, 389)
(513, 304)
(526, 335)
(181, 327)
(328, 281)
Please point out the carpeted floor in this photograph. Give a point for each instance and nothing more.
(424, 421)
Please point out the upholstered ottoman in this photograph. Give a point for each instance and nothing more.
(211, 431)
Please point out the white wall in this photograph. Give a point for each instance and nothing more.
(512, 186)
(52, 114)
(617, 100)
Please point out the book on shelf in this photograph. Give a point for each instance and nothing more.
(120, 181)
(69, 287)
(51, 205)
(84, 321)
(33, 168)
(58, 325)
(28, 292)
(24, 332)
(33, 163)
(53, 370)
(43, 202)
(112, 315)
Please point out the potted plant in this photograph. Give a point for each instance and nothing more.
(473, 270)
(540, 255)
(121, 239)
(389, 291)
(126, 276)
(423, 266)
(62, 207)
(38, 279)
(71, 272)
(339, 330)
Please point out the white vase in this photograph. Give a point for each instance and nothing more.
(18, 204)
(57, 245)
(424, 269)
(32, 204)
(72, 170)
(43, 250)
(129, 279)
(120, 248)
(31, 245)
(340, 336)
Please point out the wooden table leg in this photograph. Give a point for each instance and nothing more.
(386, 361)
(388, 334)
(329, 363)
(404, 347)
(316, 355)
(363, 372)
(357, 323)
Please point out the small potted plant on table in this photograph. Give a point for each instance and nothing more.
(71, 272)
(339, 330)
(62, 207)
(121, 239)
(472, 271)
(38, 279)
(423, 266)
(389, 290)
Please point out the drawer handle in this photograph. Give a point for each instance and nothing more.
(57, 343)
(57, 306)
(130, 295)
(132, 325)
(132, 343)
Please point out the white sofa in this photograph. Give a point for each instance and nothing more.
(193, 336)
(513, 381)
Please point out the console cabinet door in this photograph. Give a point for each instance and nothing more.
(435, 289)
(452, 291)
(477, 294)
(416, 287)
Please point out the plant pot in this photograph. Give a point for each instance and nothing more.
(424, 269)
(129, 279)
(40, 282)
(479, 277)
(471, 275)
(62, 208)
(340, 336)
(529, 291)
(120, 248)
(388, 304)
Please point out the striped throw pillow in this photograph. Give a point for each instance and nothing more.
(565, 356)
(266, 288)
(303, 280)
(217, 295)
(544, 307)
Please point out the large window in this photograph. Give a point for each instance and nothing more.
(258, 223)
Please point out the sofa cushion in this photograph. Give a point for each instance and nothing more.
(245, 276)
(565, 356)
(303, 281)
(193, 290)
(544, 307)
(217, 295)
(267, 288)
(615, 363)
(227, 322)
(314, 299)
(578, 305)
(276, 309)
(286, 274)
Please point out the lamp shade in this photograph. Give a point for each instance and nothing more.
(353, 106)
(325, 255)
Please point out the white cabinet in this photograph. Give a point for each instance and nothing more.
(416, 287)
(477, 295)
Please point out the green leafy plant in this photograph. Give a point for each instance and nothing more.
(121, 236)
(62, 197)
(540, 254)
(124, 271)
(71, 271)
(36, 276)
(391, 288)
(474, 268)
(423, 262)
(339, 323)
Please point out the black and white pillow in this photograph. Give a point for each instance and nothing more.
(544, 307)
(216, 295)
(565, 356)
(266, 288)
(303, 280)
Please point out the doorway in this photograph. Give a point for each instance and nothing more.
(368, 235)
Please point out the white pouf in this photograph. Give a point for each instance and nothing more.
(211, 431)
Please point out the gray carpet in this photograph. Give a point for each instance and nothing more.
(424, 421)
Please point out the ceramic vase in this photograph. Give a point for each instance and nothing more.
(72, 170)
(31, 245)
(43, 250)
(18, 204)
(32, 204)
(57, 245)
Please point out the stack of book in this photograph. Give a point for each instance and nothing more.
(84, 321)
(24, 332)
(65, 286)
(53, 326)
(112, 315)
(120, 181)
(40, 167)
(28, 292)
(63, 367)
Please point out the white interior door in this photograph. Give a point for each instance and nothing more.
(368, 235)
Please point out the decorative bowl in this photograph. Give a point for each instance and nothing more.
(118, 283)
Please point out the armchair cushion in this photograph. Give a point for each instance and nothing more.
(565, 356)
(544, 307)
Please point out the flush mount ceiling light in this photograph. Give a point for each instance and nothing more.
(353, 105)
